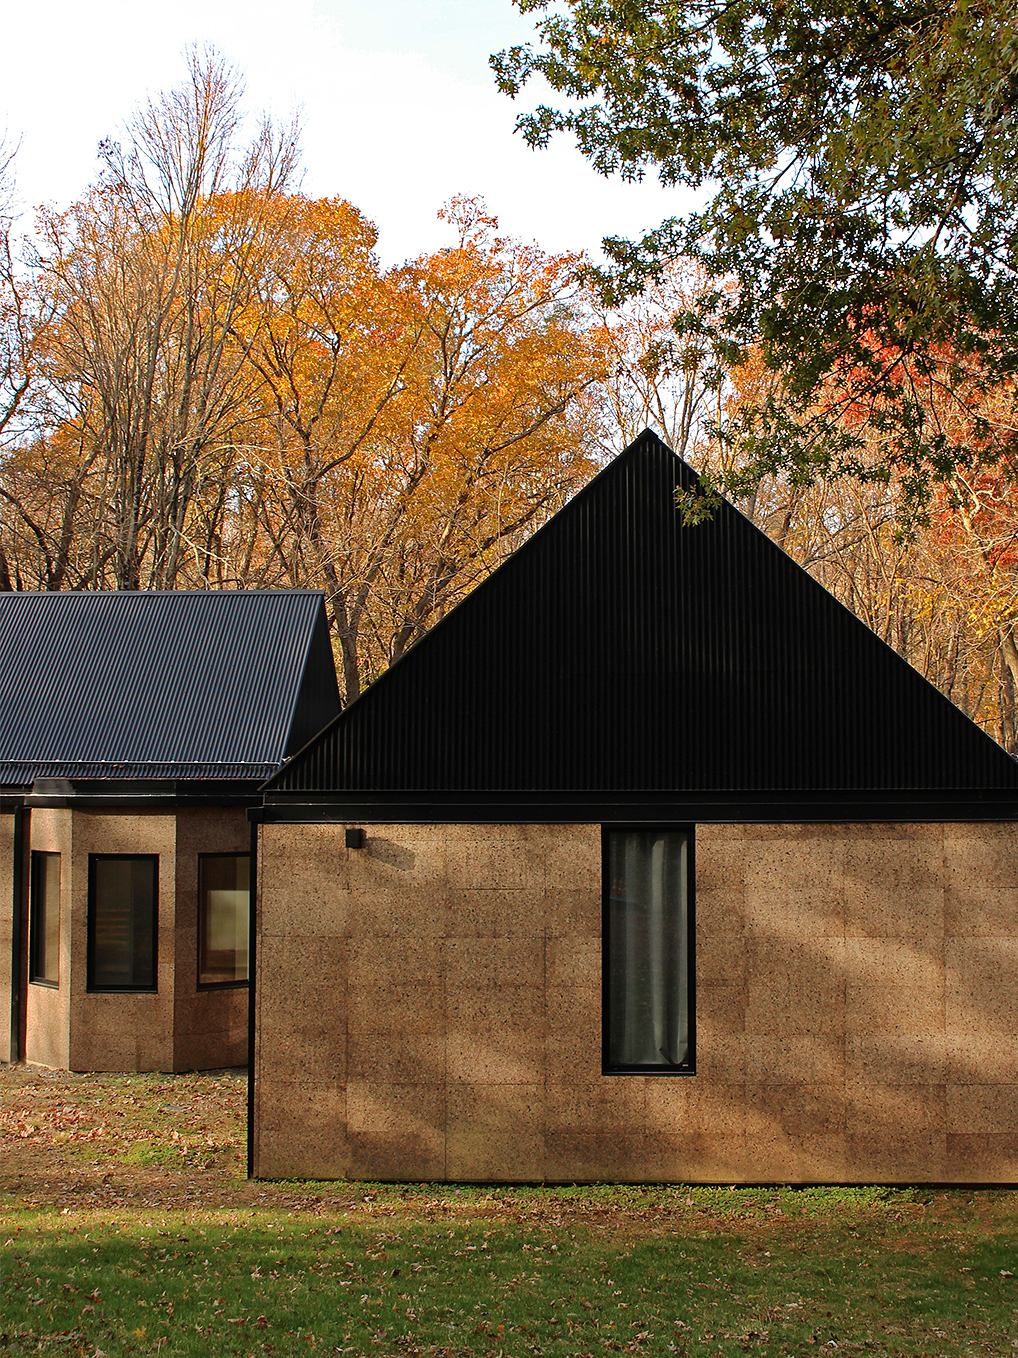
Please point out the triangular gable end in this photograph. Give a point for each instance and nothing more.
(619, 652)
(317, 700)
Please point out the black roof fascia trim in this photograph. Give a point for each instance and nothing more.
(154, 803)
(139, 803)
(478, 810)
(144, 788)
(150, 797)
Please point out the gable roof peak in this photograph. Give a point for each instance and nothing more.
(619, 652)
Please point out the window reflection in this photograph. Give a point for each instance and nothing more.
(224, 900)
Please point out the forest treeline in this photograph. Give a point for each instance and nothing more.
(207, 380)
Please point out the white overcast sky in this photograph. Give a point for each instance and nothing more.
(398, 106)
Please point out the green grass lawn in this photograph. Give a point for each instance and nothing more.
(151, 1248)
(578, 1271)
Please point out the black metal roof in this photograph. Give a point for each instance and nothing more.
(175, 685)
(619, 653)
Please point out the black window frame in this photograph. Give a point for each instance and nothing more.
(220, 985)
(687, 1067)
(34, 882)
(90, 984)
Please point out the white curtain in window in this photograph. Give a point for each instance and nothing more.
(647, 948)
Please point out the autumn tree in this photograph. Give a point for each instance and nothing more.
(148, 274)
(385, 436)
(416, 421)
(496, 430)
(655, 377)
(23, 318)
(326, 342)
(857, 171)
(232, 392)
(15, 321)
(941, 591)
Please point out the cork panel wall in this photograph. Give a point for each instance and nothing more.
(131, 1030)
(6, 928)
(48, 1009)
(875, 1027)
(209, 1025)
(430, 1006)
(300, 1105)
(406, 1026)
(980, 1008)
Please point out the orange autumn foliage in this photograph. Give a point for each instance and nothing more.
(941, 589)
(255, 402)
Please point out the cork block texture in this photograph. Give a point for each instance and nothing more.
(179, 1027)
(430, 1007)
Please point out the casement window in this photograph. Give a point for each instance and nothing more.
(123, 895)
(44, 919)
(648, 952)
(224, 912)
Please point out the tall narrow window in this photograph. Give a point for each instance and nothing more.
(122, 921)
(44, 919)
(224, 905)
(648, 956)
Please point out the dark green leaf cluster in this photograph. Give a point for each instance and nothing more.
(858, 161)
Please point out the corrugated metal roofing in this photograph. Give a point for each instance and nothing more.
(171, 685)
(618, 651)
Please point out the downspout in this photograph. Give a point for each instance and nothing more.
(17, 909)
(252, 945)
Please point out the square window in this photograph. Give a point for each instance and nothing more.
(224, 913)
(648, 953)
(44, 919)
(122, 921)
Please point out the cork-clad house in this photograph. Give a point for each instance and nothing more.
(136, 730)
(649, 862)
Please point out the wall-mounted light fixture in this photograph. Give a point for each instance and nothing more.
(355, 839)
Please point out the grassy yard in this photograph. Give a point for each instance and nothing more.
(127, 1228)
